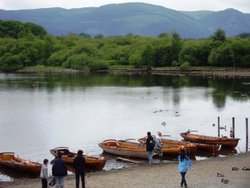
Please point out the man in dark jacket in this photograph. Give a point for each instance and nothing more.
(150, 144)
(79, 166)
(59, 170)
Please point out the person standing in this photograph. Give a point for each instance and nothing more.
(158, 145)
(59, 170)
(184, 164)
(44, 173)
(150, 144)
(79, 166)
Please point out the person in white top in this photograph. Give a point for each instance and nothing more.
(44, 173)
(158, 145)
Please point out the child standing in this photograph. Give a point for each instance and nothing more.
(44, 173)
(184, 164)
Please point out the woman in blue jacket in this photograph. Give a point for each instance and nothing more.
(184, 164)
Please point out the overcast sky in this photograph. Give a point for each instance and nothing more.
(241, 5)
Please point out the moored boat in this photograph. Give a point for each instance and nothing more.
(10, 160)
(223, 141)
(171, 148)
(95, 163)
(208, 148)
(125, 149)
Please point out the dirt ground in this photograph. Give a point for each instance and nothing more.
(163, 175)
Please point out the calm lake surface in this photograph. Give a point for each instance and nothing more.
(46, 110)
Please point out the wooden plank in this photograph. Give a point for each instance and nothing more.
(127, 160)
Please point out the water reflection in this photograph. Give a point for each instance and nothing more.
(221, 88)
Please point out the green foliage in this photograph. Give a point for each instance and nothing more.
(58, 58)
(36, 30)
(136, 60)
(77, 61)
(10, 62)
(98, 64)
(148, 58)
(244, 35)
(175, 63)
(219, 35)
(35, 47)
(163, 35)
(84, 35)
(221, 56)
(15, 29)
(185, 66)
(99, 36)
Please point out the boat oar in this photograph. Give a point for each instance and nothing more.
(127, 160)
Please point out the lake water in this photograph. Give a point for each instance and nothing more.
(42, 111)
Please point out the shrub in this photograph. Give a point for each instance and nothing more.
(10, 62)
(185, 66)
(77, 61)
(98, 65)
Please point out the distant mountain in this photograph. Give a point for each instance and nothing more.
(136, 18)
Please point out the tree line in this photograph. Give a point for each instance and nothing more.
(28, 44)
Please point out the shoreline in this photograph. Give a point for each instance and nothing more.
(203, 174)
(220, 72)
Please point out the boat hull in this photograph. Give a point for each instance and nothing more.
(94, 163)
(123, 149)
(16, 163)
(224, 142)
(171, 148)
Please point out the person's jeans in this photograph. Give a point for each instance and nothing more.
(150, 157)
(44, 182)
(183, 180)
(59, 181)
(78, 175)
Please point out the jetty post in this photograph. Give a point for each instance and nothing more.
(246, 134)
(233, 127)
(218, 126)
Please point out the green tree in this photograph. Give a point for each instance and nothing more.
(84, 35)
(10, 62)
(219, 35)
(148, 58)
(221, 56)
(11, 28)
(35, 29)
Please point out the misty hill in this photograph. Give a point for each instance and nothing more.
(136, 18)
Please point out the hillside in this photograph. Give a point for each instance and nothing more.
(136, 18)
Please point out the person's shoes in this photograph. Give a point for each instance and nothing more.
(235, 168)
(219, 174)
(245, 168)
(186, 186)
(225, 181)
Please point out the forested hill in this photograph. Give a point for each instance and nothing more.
(136, 18)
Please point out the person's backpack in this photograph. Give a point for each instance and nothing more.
(151, 144)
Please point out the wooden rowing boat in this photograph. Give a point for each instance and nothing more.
(223, 141)
(209, 148)
(171, 148)
(95, 163)
(125, 149)
(10, 160)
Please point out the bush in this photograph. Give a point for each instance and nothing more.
(57, 58)
(77, 61)
(10, 62)
(185, 66)
(175, 63)
(98, 65)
